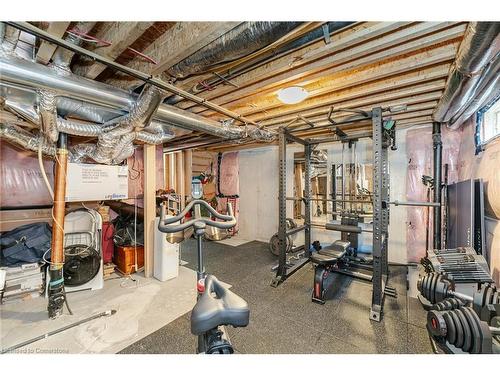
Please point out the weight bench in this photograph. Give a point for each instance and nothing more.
(325, 260)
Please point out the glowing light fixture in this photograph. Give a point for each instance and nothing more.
(292, 95)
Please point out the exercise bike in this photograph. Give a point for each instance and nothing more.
(216, 306)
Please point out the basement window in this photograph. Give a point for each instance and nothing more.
(488, 123)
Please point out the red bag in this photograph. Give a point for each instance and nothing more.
(108, 246)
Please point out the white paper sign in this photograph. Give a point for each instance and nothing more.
(94, 182)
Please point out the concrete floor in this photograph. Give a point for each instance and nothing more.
(143, 307)
(284, 320)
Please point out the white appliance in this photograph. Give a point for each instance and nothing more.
(166, 256)
(83, 227)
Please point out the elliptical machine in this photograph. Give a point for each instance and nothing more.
(216, 306)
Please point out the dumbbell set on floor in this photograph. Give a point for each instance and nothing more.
(439, 291)
(450, 320)
(462, 328)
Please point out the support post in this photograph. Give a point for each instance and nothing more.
(149, 207)
(188, 172)
(56, 294)
(438, 162)
(281, 271)
(334, 191)
(180, 188)
(380, 215)
(307, 201)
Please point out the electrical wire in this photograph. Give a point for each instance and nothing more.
(42, 169)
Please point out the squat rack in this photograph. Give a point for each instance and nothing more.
(383, 135)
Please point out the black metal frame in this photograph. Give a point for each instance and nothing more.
(382, 139)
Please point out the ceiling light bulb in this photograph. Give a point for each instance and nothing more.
(292, 95)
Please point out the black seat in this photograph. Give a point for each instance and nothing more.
(331, 254)
(218, 306)
(327, 256)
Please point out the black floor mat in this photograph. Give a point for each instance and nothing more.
(284, 320)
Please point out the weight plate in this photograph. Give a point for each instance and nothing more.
(489, 296)
(496, 297)
(451, 335)
(475, 330)
(448, 303)
(425, 281)
(433, 288)
(274, 245)
(460, 330)
(467, 339)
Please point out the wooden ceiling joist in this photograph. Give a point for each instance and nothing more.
(120, 34)
(346, 79)
(340, 54)
(181, 41)
(46, 49)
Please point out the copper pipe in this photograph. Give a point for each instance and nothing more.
(58, 210)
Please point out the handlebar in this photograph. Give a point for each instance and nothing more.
(166, 225)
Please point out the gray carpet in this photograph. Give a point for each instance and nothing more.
(284, 320)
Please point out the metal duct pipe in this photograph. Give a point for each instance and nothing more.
(25, 111)
(479, 48)
(36, 76)
(487, 90)
(243, 40)
(187, 146)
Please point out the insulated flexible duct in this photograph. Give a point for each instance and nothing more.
(61, 60)
(115, 145)
(8, 39)
(244, 39)
(476, 55)
(17, 135)
(48, 114)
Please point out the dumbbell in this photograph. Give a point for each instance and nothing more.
(486, 295)
(462, 328)
(435, 287)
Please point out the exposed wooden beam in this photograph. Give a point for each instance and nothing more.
(346, 79)
(381, 97)
(303, 77)
(47, 49)
(181, 41)
(339, 41)
(121, 34)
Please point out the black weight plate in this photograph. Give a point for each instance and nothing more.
(478, 296)
(433, 282)
(459, 332)
(496, 297)
(425, 285)
(489, 296)
(484, 332)
(453, 303)
(467, 339)
(446, 304)
(458, 327)
(475, 330)
(451, 335)
(428, 287)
